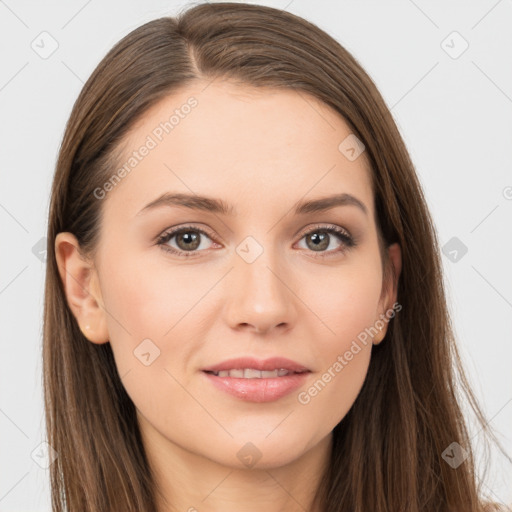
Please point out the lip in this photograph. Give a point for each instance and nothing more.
(258, 389)
(273, 363)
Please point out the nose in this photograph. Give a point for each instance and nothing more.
(260, 296)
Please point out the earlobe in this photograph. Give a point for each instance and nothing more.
(81, 285)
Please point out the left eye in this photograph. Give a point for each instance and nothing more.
(319, 239)
(188, 240)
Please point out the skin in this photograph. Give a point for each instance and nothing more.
(260, 151)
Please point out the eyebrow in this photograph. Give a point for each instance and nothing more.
(219, 206)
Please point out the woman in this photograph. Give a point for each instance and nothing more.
(244, 302)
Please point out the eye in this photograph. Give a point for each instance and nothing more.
(188, 240)
(321, 237)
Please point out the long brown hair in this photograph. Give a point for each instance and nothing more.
(387, 451)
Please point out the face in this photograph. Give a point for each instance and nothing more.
(181, 286)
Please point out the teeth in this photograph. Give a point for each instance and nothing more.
(251, 373)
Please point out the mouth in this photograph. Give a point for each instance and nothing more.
(255, 380)
(252, 373)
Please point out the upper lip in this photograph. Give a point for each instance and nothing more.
(273, 363)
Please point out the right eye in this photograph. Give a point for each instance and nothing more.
(188, 240)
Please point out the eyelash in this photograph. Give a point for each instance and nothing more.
(347, 240)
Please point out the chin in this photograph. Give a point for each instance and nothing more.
(264, 451)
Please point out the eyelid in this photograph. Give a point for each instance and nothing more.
(325, 226)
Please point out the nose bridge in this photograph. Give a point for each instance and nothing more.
(260, 292)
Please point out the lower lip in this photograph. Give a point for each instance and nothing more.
(259, 390)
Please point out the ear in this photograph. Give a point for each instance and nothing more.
(390, 289)
(81, 285)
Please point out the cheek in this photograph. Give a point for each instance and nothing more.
(154, 310)
(149, 332)
(346, 304)
(343, 356)
(149, 300)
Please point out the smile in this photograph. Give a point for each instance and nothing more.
(251, 373)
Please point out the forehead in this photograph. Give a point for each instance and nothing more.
(239, 143)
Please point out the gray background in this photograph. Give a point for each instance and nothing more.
(453, 110)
